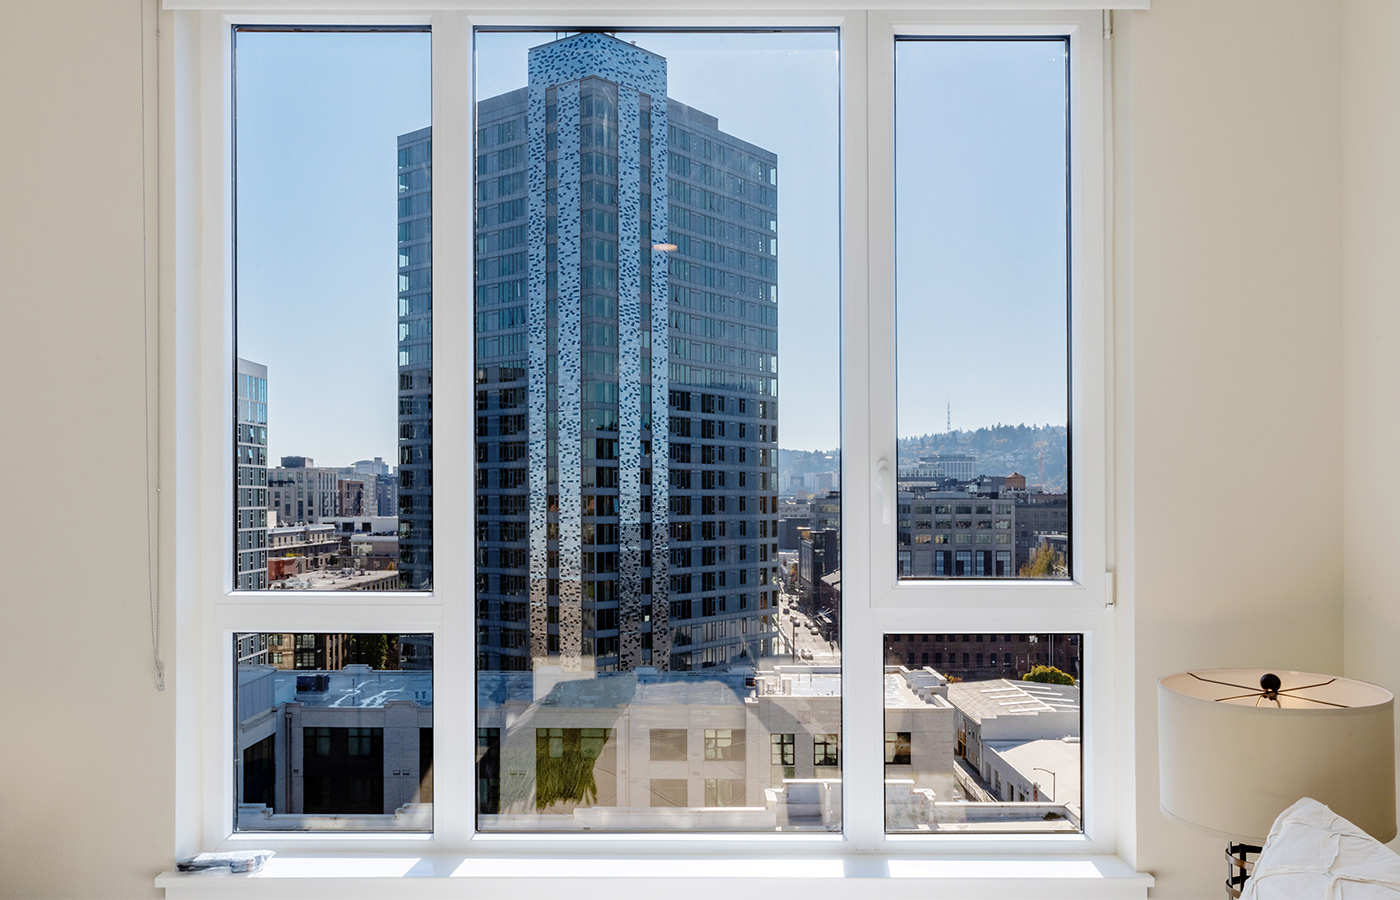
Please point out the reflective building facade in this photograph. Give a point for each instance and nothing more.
(415, 469)
(250, 500)
(626, 380)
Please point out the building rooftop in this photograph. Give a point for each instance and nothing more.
(802, 681)
(610, 690)
(1063, 757)
(353, 687)
(292, 529)
(979, 700)
(333, 580)
(905, 689)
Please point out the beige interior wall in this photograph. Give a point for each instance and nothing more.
(1236, 250)
(1371, 328)
(1236, 270)
(87, 744)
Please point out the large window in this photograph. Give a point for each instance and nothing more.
(750, 455)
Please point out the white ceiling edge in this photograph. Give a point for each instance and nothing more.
(632, 7)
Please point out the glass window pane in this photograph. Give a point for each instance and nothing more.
(333, 306)
(982, 308)
(335, 734)
(977, 746)
(641, 633)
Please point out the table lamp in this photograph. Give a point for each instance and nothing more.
(1238, 746)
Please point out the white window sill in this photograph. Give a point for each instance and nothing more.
(840, 876)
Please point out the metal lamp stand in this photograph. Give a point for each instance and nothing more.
(1239, 867)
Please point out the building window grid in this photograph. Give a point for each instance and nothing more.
(823, 748)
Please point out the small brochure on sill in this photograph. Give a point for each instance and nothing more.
(238, 862)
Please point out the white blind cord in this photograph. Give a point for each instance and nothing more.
(152, 478)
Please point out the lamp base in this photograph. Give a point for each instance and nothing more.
(1240, 867)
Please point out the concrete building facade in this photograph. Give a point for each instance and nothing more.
(713, 750)
(955, 534)
(300, 492)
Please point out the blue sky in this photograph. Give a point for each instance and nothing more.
(980, 241)
(980, 219)
(319, 117)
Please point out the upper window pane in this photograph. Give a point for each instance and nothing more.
(642, 647)
(333, 305)
(982, 307)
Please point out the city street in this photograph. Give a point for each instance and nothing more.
(812, 644)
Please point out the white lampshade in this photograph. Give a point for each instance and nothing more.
(1232, 760)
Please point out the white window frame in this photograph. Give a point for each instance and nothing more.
(899, 606)
(209, 613)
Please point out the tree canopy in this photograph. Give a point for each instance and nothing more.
(1045, 562)
(1048, 675)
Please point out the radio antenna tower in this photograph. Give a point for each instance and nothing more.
(950, 416)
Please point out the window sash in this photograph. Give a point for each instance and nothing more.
(209, 613)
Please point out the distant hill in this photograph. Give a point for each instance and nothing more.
(1000, 450)
(809, 462)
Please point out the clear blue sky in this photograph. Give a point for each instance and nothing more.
(980, 242)
(319, 117)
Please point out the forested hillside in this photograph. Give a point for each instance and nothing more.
(1038, 452)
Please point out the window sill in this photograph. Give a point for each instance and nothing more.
(841, 876)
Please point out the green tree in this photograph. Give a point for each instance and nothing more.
(378, 651)
(1045, 562)
(1048, 675)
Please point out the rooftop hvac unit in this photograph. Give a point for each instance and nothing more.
(313, 684)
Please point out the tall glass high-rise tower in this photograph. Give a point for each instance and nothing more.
(250, 449)
(626, 395)
(415, 468)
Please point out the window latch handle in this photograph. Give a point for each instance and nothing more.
(882, 487)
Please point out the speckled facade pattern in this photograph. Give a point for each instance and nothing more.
(660, 391)
(629, 378)
(537, 342)
(559, 66)
(598, 56)
(569, 381)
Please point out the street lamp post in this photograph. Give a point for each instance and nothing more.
(1054, 794)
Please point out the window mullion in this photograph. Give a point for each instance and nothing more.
(865, 106)
(213, 571)
(882, 466)
(453, 495)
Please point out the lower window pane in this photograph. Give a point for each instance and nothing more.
(333, 732)
(982, 733)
